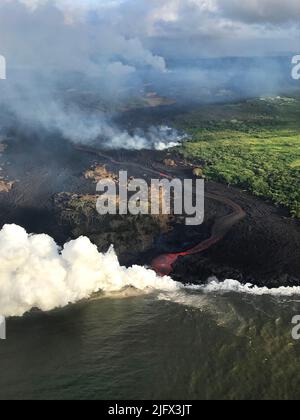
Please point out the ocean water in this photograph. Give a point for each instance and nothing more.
(182, 344)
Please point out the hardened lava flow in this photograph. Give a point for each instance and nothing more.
(163, 265)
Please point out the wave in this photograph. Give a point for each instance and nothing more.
(236, 287)
(196, 296)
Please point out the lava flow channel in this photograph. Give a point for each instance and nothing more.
(163, 265)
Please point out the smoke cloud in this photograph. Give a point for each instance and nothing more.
(158, 138)
(36, 273)
(64, 76)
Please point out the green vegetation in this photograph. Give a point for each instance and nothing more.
(198, 172)
(254, 145)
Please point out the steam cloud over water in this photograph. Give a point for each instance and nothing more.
(36, 273)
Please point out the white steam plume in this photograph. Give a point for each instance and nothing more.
(158, 138)
(35, 273)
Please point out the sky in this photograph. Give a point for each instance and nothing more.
(195, 27)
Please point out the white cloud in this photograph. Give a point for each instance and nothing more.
(258, 11)
(179, 18)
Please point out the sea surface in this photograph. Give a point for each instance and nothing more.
(165, 345)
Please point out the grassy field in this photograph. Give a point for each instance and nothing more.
(254, 145)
